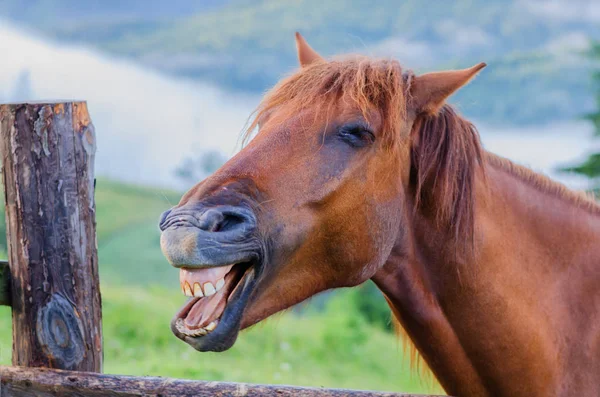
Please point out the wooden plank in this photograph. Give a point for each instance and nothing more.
(48, 171)
(41, 382)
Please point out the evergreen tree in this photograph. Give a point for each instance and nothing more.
(591, 166)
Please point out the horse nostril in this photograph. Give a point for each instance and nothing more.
(227, 219)
(232, 221)
(211, 220)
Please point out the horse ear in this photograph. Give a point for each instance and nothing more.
(430, 91)
(306, 55)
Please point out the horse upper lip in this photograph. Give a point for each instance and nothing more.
(188, 246)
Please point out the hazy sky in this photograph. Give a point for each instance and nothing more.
(147, 122)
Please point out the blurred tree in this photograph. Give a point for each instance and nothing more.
(371, 305)
(22, 90)
(591, 166)
(193, 170)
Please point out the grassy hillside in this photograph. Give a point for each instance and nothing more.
(330, 344)
(536, 71)
(128, 235)
(323, 349)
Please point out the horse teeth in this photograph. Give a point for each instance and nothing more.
(220, 284)
(209, 289)
(198, 290)
(189, 332)
(211, 326)
(195, 332)
(187, 290)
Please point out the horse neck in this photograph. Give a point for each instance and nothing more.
(500, 322)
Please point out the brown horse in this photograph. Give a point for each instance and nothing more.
(359, 170)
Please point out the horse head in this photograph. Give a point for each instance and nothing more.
(316, 200)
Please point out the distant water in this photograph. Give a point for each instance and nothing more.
(544, 148)
(147, 122)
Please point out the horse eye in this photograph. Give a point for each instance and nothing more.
(357, 135)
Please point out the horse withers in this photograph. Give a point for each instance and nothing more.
(359, 170)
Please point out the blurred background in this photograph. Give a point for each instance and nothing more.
(170, 86)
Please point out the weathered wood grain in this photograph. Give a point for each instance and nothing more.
(48, 171)
(40, 382)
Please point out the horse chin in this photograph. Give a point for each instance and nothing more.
(218, 330)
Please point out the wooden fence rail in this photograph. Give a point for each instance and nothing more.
(51, 278)
(41, 382)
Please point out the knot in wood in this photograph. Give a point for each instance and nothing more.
(60, 333)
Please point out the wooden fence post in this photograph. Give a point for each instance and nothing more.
(48, 171)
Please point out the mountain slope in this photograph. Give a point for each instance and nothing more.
(534, 49)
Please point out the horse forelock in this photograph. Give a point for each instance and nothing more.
(368, 83)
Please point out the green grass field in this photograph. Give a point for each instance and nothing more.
(330, 348)
(328, 345)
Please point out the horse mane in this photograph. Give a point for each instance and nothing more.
(581, 199)
(445, 155)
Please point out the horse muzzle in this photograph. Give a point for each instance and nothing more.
(218, 252)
